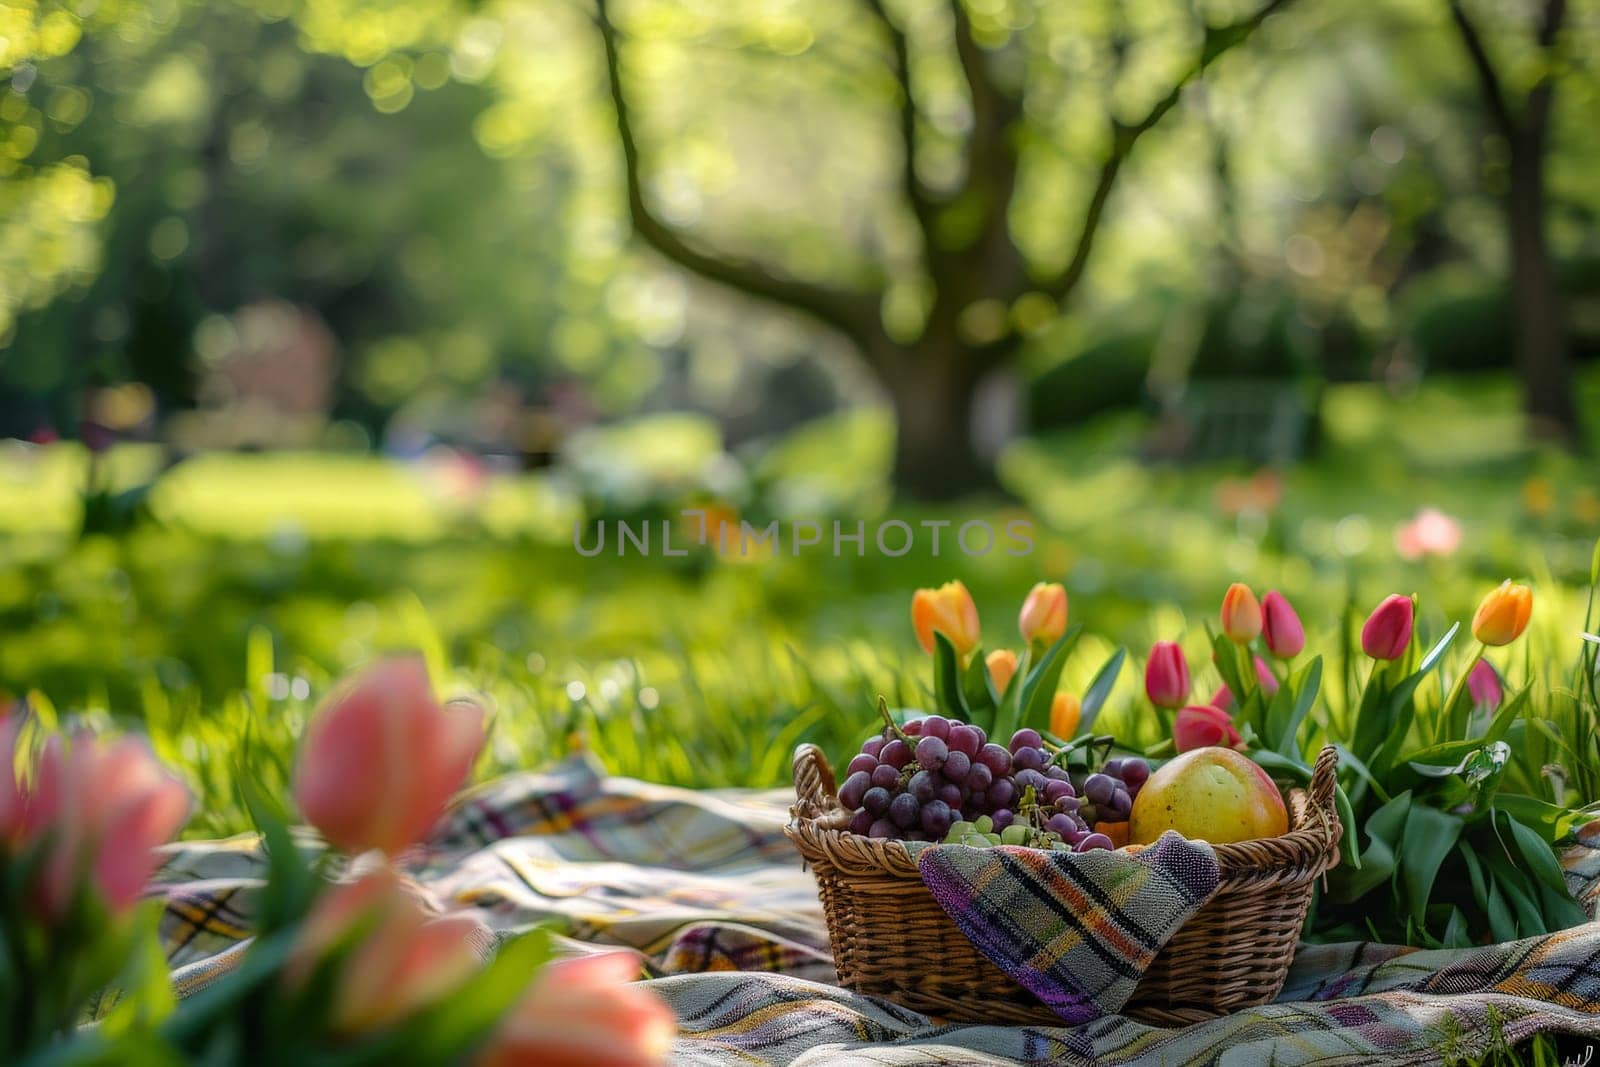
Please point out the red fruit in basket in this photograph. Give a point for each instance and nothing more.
(881, 828)
(873, 745)
(1001, 793)
(996, 758)
(896, 754)
(861, 822)
(854, 789)
(1027, 759)
(965, 739)
(923, 786)
(950, 793)
(912, 728)
(932, 753)
(885, 776)
(979, 778)
(862, 762)
(936, 818)
(876, 800)
(956, 766)
(904, 811)
(1025, 738)
(936, 726)
(1095, 841)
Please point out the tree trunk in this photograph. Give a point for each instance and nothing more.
(1538, 322)
(931, 389)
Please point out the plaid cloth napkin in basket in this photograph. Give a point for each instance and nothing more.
(1076, 929)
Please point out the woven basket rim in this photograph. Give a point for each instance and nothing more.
(816, 825)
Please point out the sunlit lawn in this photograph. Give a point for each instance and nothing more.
(257, 579)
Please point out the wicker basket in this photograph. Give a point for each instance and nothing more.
(891, 939)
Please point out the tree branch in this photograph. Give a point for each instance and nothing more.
(1124, 136)
(1540, 98)
(853, 313)
(1489, 83)
(916, 195)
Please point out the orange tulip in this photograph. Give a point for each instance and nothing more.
(1065, 711)
(381, 759)
(948, 610)
(101, 807)
(403, 958)
(1241, 614)
(1503, 615)
(1002, 664)
(585, 1012)
(1044, 614)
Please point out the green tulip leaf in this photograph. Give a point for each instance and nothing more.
(1475, 875)
(1105, 679)
(1430, 834)
(1291, 704)
(1540, 860)
(1040, 688)
(947, 692)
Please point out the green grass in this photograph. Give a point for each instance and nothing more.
(218, 620)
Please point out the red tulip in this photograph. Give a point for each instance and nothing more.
(585, 1012)
(100, 807)
(403, 958)
(1203, 726)
(1166, 675)
(1387, 633)
(1222, 698)
(381, 759)
(1044, 614)
(1483, 682)
(1241, 614)
(1280, 626)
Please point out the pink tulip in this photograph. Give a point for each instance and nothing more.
(1265, 678)
(585, 1012)
(1280, 626)
(403, 961)
(1483, 682)
(1430, 533)
(1387, 633)
(1222, 698)
(1203, 726)
(381, 759)
(101, 806)
(12, 799)
(1166, 675)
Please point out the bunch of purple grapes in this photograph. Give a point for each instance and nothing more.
(1108, 794)
(915, 782)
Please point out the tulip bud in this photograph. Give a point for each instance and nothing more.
(381, 759)
(1002, 664)
(1503, 615)
(1264, 676)
(586, 1010)
(1387, 633)
(1044, 614)
(1065, 711)
(1280, 626)
(404, 960)
(1484, 684)
(101, 807)
(1203, 726)
(1166, 675)
(1222, 698)
(948, 610)
(1241, 614)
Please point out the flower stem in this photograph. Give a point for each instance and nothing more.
(1447, 713)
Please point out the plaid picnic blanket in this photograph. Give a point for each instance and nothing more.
(707, 887)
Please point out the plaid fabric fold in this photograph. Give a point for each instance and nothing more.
(1075, 929)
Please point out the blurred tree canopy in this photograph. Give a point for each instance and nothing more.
(1266, 188)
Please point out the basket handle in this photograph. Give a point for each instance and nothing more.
(814, 786)
(1323, 779)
